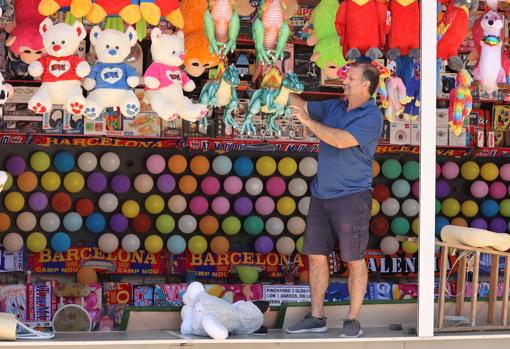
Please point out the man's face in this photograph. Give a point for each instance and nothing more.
(354, 83)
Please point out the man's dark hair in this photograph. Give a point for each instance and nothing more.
(371, 74)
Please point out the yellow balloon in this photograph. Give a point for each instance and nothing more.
(74, 182)
(469, 208)
(40, 161)
(154, 204)
(450, 207)
(469, 170)
(14, 201)
(410, 246)
(153, 244)
(375, 207)
(489, 171)
(286, 206)
(197, 244)
(415, 226)
(265, 166)
(287, 166)
(50, 181)
(130, 208)
(9, 182)
(36, 242)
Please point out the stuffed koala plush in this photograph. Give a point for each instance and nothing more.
(111, 79)
(165, 80)
(60, 69)
(206, 315)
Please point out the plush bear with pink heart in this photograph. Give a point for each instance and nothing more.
(60, 69)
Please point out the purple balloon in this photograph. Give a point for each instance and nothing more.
(264, 205)
(497, 190)
(243, 206)
(264, 245)
(198, 205)
(479, 223)
(120, 184)
(97, 182)
(15, 165)
(416, 189)
(498, 225)
(118, 223)
(442, 188)
(165, 183)
(38, 201)
(210, 185)
(220, 205)
(479, 189)
(275, 186)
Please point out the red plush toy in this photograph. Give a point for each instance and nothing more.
(126, 9)
(362, 27)
(404, 35)
(153, 10)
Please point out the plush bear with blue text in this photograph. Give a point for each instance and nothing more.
(111, 79)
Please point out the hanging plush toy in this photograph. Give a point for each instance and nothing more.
(362, 27)
(165, 81)
(412, 109)
(127, 10)
(397, 95)
(404, 35)
(221, 26)
(6, 91)
(153, 10)
(461, 102)
(78, 8)
(111, 79)
(60, 69)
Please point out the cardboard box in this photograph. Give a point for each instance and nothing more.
(442, 136)
(446, 84)
(117, 293)
(457, 141)
(400, 134)
(96, 127)
(52, 122)
(145, 124)
(415, 134)
(442, 117)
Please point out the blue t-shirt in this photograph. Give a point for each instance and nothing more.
(342, 172)
(112, 75)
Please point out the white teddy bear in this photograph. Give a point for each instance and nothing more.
(60, 69)
(111, 79)
(164, 79)
(206, 315)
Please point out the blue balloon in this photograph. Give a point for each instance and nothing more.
(243, 166)
(400, 188)
(440, 223)
(176, 244)
(489, 208)
(95, 223)
(60, 242)
(64, 161)
(72, 222)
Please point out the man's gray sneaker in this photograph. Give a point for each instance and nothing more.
(309, 324)
(352, 328)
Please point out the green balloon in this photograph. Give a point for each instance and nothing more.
(165, 224)
(400, 226)
(231, 225)
(9, 182)
(391, 168)
(411, 170)
(504, 208)
(247, 274)
(40, 161)
(438, 206)
(253, 225)
(299, 244)
(450, 207)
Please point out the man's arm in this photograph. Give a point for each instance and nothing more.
(297, 101)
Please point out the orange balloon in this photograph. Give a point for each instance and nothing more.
(199, 165)
(27, 181)
(177, 164)
(219, 245)
(187, 184)
(87, 276)
(376, 168)
(5, 222)
(208, 225)
(459, 221)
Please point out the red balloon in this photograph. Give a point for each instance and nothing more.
(61, 202)
(141, 223)
(381, 192)
(379, 226)
(84, 207)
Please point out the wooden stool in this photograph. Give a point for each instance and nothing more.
(461, 282)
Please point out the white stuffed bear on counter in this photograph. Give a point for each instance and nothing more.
(111, 79)
(60, 69)
(165, 80)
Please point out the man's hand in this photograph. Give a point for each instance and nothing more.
(301, 114)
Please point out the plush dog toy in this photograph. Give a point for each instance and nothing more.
(60, 69)
(111, 79)
(206, 315)
(165, 81)
(474, 237)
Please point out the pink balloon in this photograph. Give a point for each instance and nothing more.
(480, 189)
(497, 190)
(233, 185)
(210, 185)
(438, 170)
(450, 170)
(220, 205)
(264, 205)
(504, 172)
(416, 189)
(198, 205)
(155, 164)
(275, 186)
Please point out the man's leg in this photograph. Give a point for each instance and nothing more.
(358, 278)
(319, 281)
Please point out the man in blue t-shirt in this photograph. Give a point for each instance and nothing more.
(341, 191)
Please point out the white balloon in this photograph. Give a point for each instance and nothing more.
(110, 162)
(108, 202)
(87, 162)
(26, 221)
(177, 204)
(143, 183)
(274, 226)
(108, 243)
(298, 187)
(410, 207)
(222, 165)
(13, 242)
(285, 245)
(390, 207)
(49, 222)
(254, 186)
(187, 224)
(130, 243)
(389, 245)
(308, 166)
(72, 222)
(304, 205)
(296, 225)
